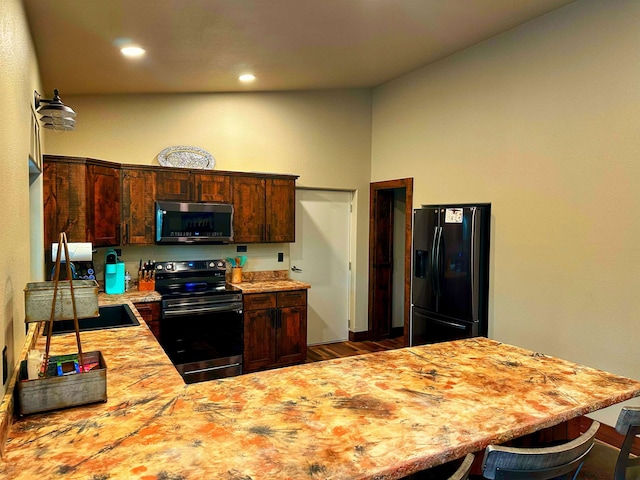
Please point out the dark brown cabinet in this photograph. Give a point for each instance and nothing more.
(64, 192)
(186, 186)
(174, 185)
(248, 209)
(275, 329)
(213, 188)
(81, 198)
(103, 200)
(264, 210)
(280, 213)
(138, 206)
(110, 204)
(150, 313)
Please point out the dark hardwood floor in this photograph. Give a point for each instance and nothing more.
(328, 351)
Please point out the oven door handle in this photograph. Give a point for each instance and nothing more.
(189, 311)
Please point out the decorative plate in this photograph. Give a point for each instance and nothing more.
(186, 157)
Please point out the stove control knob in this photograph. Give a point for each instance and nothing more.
(169, 266)
(159, 266)
(221, 264)
(212, 264)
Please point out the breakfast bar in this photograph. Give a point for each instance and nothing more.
(382, 415)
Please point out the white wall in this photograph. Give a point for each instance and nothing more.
(542, 122)
(323, 136)
(18, 80)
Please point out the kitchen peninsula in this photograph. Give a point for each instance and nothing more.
(382, 415)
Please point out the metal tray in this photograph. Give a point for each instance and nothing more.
(54, 393)
(38, 297)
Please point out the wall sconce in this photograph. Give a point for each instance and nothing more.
(55, 114)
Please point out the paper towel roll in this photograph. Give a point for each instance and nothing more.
(78, 252)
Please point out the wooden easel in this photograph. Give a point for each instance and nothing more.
(62, 242)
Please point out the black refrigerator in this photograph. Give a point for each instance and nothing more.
(450, 284)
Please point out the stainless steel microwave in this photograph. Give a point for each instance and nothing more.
(191, 222)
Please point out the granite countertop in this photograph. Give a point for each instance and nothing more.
(265, 286)
(382, 415)
(250, 285)
(133, 296)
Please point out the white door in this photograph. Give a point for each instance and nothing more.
(320, 257)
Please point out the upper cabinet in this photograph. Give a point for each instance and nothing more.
(81, 198)
(212, 187)
(280, 213)
(264, 210)
(248, 209)
(138, 208)
(109, 204)
(174, 185)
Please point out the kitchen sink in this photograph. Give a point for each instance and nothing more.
(113, 316)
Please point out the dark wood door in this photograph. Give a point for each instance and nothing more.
(213, 188)
(173, 185)
(103, 199)
(291, 335)
(64, 192)
(381, 256)
(150, 313)
(280, 210)
(291, 331)
(259, 340)
(383, 264)
(138, 212)
(249, 209)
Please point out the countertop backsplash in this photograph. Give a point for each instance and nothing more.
(260, 257)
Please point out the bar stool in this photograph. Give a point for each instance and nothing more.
(628, 424)
(544, 463)
(444, 472)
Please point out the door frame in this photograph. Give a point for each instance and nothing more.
(374, 188)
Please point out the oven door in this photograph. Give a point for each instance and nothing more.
(203, 337)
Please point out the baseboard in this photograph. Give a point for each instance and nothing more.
(358, 336)
(609, 435)
(397, 332)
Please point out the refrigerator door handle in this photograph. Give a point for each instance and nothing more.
(472, 269)
(438, 272)
(457, 326)
(434, 272)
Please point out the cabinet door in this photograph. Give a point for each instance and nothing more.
(150, 313)
(138, 213)
(172, 185)
(249, 209)
(291, 339)
(280, 210)
(259, 340)
(103, 211)
(64, 192)
(213, 188)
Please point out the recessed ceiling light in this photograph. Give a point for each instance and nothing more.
(132, 51)
(247, 77)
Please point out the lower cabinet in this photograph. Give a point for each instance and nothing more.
(275, 329)
(150, 313)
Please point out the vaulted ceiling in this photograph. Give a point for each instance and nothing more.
(204, 45)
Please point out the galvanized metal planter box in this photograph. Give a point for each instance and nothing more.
(38, 297)
(53, 393)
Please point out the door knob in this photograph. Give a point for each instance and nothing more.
(295, 269)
